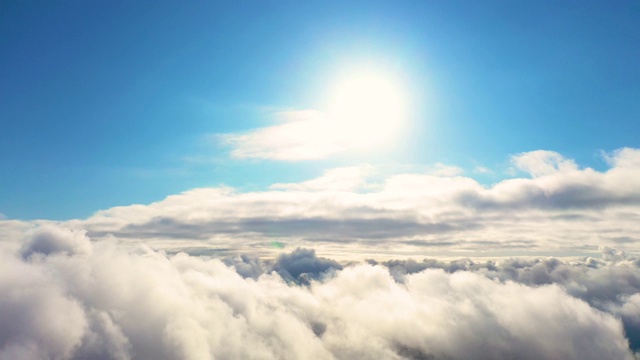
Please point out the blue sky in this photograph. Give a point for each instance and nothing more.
(115, 103)
(258, 179)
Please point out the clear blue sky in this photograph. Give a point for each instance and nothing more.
(106, 103)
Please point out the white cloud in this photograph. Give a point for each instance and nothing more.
(304, 135)
(340, 179)
(624, 158)
(562, 209)
(482, 170)
(96, 288)
(118, 302)
(439, 169)
(53, 239)
(542, 162)
(311, 135)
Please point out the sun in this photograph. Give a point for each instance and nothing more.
(367, 108)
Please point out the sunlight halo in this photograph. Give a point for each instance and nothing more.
(366, 108)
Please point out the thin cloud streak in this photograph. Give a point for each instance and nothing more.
(302, 135)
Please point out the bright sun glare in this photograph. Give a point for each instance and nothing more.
(367, 109)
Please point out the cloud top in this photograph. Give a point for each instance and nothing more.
(543, 162)
(560, 208)
(117, 302)
(53, 239)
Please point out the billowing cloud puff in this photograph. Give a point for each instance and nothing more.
(303, 265)
(52, 239)
(122, 302)
(543, 162)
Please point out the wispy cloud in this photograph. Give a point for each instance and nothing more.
(440, 169)
(302, 135)
(340, 179)
(478, 169)
(310, 135)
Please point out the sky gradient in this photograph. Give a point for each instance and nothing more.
(319, 180)
(120, 103)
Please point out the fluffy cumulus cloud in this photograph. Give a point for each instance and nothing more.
(555, 207)
(318, 270)
(543, 162)
(100, 299)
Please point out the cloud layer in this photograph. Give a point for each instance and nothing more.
(81, 299)
(203, 274)
(557, 207)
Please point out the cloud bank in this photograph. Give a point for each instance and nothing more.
(556, 207)
(68, 297)
(203, 274)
